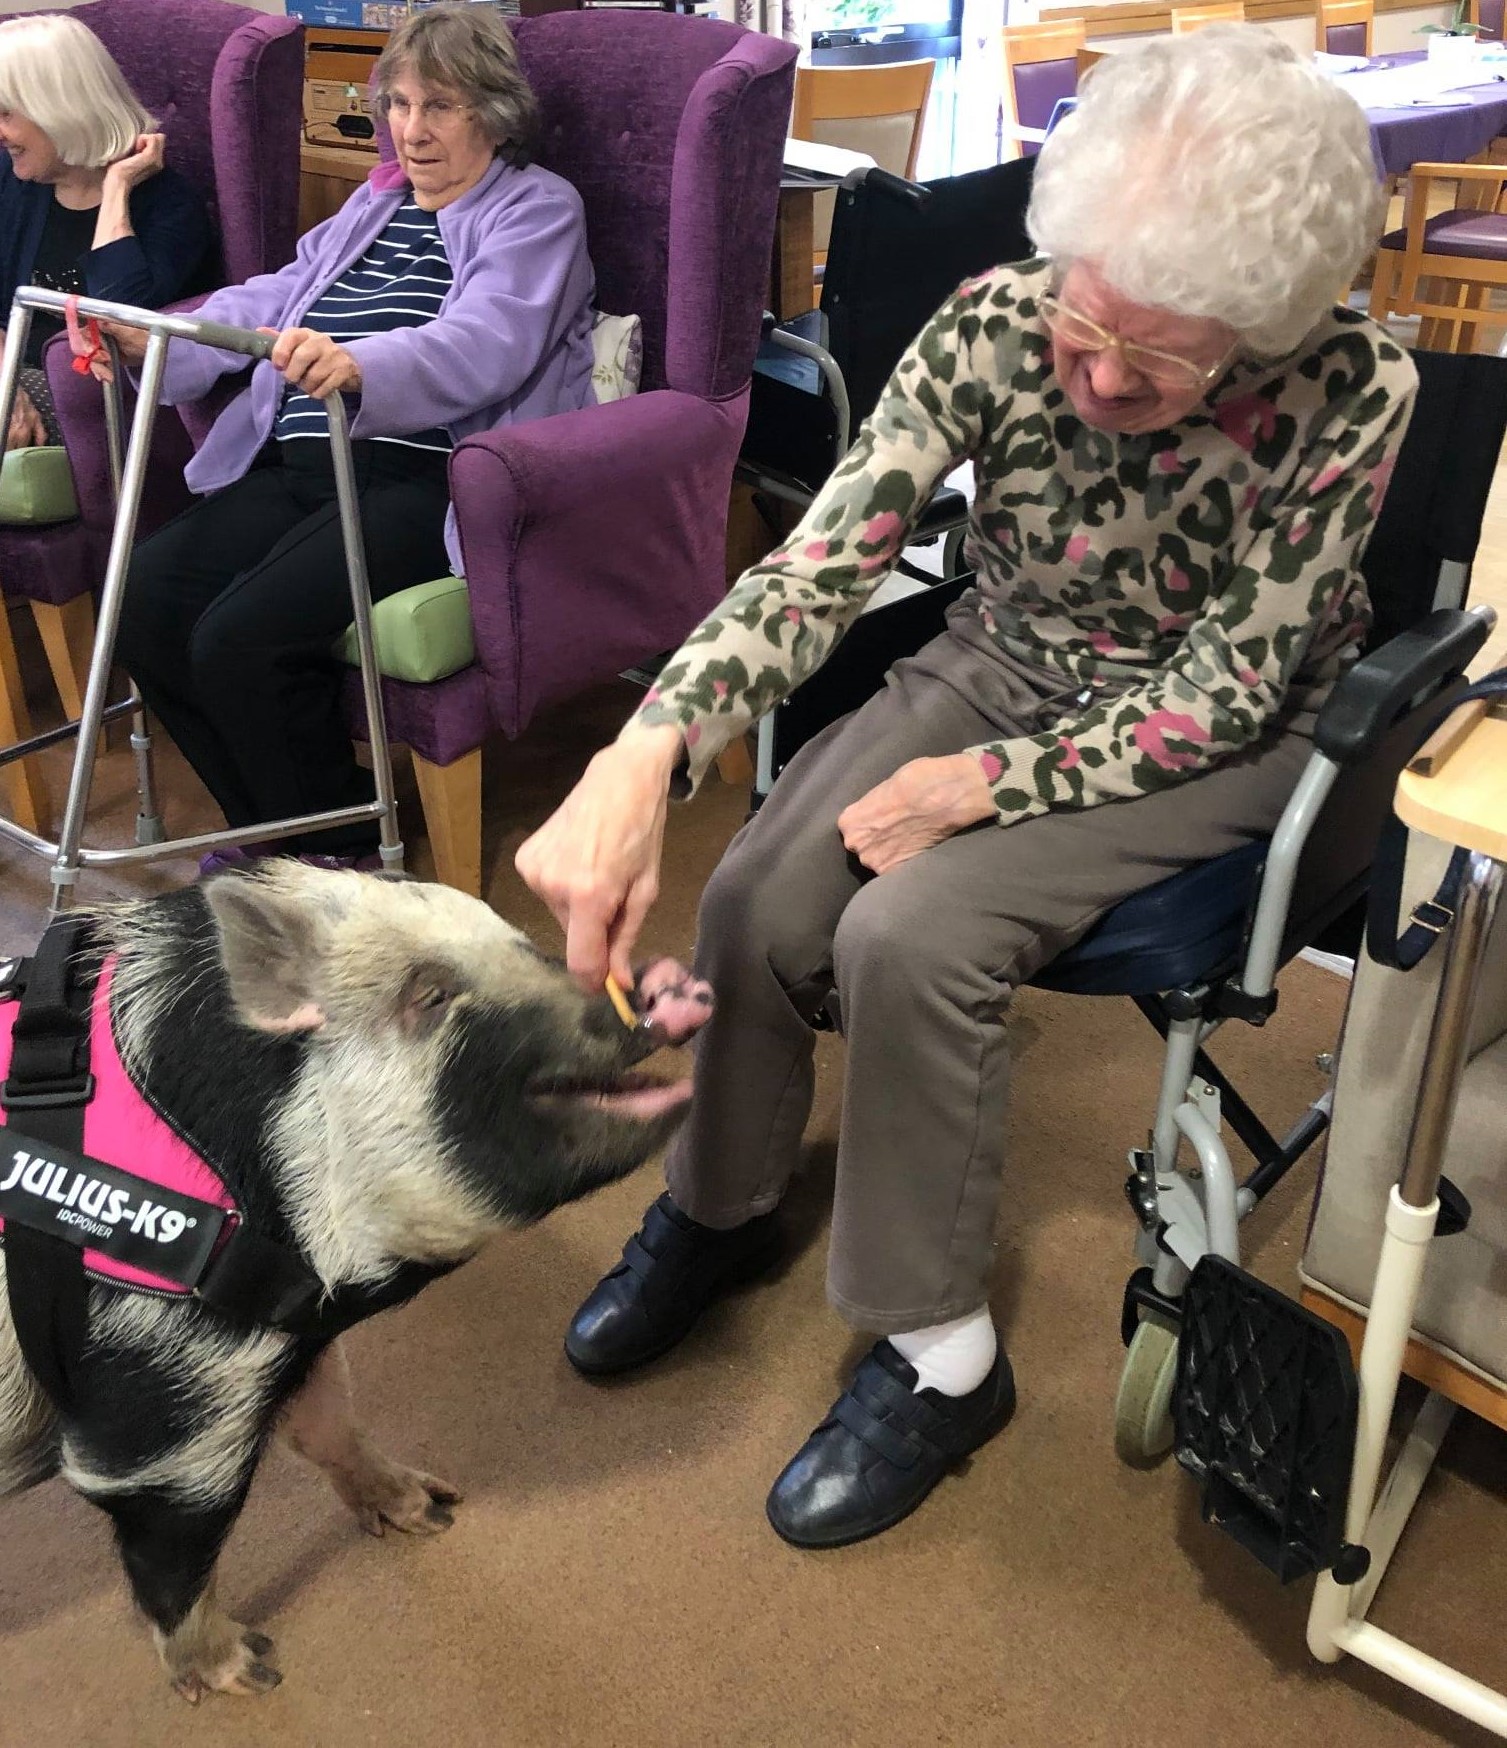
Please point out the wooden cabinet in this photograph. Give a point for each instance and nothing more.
(329, 175)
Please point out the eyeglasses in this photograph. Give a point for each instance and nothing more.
(1165, 369)
(438, 112)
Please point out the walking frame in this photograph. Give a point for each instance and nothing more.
(67, 854)
(1458, 797)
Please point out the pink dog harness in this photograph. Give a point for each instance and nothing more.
(97, 1183)
(122, 1130)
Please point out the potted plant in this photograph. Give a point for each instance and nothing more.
(1453, 45)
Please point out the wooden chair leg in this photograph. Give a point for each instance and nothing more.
(29, 804)
(1475, 299)
(1383, 282)
(451, 796)
(734, 764)
(68, 637)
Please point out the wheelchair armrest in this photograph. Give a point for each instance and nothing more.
(831, 373)
(1381, 686)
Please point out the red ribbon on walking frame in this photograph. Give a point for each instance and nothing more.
(88, 348)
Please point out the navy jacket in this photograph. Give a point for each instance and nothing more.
(164, 261)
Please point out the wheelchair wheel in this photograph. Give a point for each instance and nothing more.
(952, 553)
(1143, 1403)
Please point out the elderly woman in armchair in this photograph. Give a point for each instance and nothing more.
(1179, 445)
(87, 202)
(451, 293)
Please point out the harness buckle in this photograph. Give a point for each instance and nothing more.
(1433, 916)
(55, 1096)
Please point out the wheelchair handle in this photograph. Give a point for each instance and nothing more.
(886, 182)
(186, 327)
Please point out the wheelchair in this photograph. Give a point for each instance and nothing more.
(1203, 948)
(898, 250)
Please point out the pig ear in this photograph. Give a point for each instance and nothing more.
(271, 945)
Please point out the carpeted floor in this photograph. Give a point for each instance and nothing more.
(611, 1579)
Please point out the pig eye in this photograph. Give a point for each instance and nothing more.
(434, 997)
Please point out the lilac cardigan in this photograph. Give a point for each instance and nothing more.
(512, 340)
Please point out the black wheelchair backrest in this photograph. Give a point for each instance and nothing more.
(893, 260)
(1437, 499)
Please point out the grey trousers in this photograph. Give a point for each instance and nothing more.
(924, 959)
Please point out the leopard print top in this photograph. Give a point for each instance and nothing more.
(1194, 581)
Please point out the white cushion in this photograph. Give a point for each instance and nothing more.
(617, 346)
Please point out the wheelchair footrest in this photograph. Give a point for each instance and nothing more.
(1264, 1408)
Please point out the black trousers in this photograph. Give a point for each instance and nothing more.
(231, 610)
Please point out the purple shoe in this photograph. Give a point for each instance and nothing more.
(240, 860)
(368, 864)
(230, 860)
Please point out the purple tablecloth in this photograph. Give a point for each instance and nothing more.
(1426, 134)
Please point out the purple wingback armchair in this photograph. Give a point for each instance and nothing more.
(596, 539)
(226, 84)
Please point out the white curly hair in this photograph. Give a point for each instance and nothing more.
(1215, 174)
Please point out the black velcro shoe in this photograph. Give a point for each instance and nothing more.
(672, 1269)
(882, 1448)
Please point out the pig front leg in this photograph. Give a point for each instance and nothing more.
(169, 1553)
(320, 1424)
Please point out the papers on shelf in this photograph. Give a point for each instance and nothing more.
(824, 160)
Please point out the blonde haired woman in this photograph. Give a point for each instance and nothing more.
(86, 203)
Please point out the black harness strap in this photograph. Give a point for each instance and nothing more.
(49, 1086)
(238, 1273)
(1403, 949)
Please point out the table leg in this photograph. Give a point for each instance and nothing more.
(794, 252)
(22, 778)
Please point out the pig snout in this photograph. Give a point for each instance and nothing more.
(671, 1002)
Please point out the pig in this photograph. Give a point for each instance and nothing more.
(383, 1073)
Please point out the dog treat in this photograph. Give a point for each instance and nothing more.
(620, 1001)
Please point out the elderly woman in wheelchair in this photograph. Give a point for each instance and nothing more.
(1179, 445)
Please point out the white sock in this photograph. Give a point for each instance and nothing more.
(951, 1357)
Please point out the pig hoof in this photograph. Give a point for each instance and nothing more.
(407, 1499)
(237, 1666)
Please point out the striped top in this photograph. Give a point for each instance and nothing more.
(400, 282)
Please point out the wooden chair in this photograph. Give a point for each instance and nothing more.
(880, 110)
(1186, 18)
(1343, 27)
(1042, 65)
(1489, 14)
(1461, 254)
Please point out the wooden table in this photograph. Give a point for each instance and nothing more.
(330, 176)
(791, 285)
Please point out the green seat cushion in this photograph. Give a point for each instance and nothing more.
(36, 486)
(423, 633)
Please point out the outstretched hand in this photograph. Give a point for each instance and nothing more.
(595, 861)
